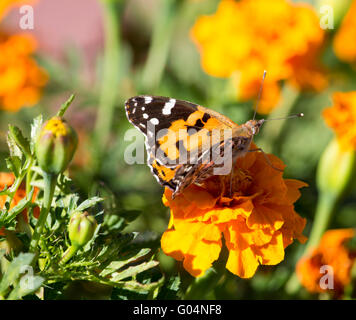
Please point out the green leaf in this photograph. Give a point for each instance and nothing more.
(16, 267)
(116, 265)
(133, 271)
(16, 135)
(5, 191)
(21, 206)
(142, 288)
(13, 147)
(27, 284)
(65, 106)
(35, 128)
(88, 203)
(169, 291)
(14, 164)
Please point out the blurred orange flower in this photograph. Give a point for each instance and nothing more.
(7, 179)
(246, 37)
(341, 117)
(332, 252)
(6, 5)
(344, 43)
(21, 79)
(257, 221)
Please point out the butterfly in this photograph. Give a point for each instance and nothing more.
(184, 141)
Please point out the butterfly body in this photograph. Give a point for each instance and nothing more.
(186, 141)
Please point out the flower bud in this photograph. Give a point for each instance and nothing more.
(55, 145)
(336, 169)
(333, 11)
(81, 228)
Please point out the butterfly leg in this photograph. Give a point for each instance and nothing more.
(267, 159)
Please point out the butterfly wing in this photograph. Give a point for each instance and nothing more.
(177, 135)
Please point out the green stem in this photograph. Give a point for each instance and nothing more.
(160, 45)
(70, 252)
(50, 181)
(29, 176)
(324, 212)
(203, 285)
(110, 78)
(272, 129)
(18, 182)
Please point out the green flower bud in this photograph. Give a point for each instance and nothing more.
(332, 11)
(55, 145)
(335, 170)
(81, 228)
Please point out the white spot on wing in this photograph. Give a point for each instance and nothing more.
(154, 121)
(145, 116)
(148, 99)
(168, 106)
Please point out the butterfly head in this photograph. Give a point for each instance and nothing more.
(254, 125)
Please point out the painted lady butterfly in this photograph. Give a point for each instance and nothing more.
(185, 142)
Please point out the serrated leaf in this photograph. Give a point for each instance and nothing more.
(16, 135)
(88, 203)
(35, 128)
(21, 205)
(116, 265)
(13, 148)
(16, 267)
(142, 288)
(133, 271)
(38, 170)
(14, 164)
(170, 289)
(73, 200)
(27, 284)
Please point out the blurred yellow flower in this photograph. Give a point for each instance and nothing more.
(21, 79)
(341, 117)
(344, 43)
(257, 221)
(245, 38)
(331, 252)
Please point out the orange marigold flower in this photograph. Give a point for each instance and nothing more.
(332, 252)
(249, 36)
(341, 117)
(257, 221)
(344, 41)
(7, 179)
(21, 79)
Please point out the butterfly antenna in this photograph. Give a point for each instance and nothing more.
(297, 115)
(259, 94)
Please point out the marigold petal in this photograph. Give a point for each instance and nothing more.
(243, 263)
(264, 217)
(222, 215)
(273, 252)
(201, 256)
(202, 198)
(293, 186)
(198, 244)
